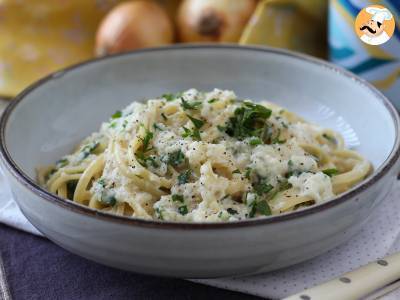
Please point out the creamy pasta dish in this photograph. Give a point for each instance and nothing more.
(205, 156)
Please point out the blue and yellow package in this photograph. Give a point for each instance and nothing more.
(379, 64)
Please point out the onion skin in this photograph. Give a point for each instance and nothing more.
(213, 20)
(133, 25)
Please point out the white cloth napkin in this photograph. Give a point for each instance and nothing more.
(377, 239)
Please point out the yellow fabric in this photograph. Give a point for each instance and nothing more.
(40, 36)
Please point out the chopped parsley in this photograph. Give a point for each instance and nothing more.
(108, 198)
(194, 134)
(171, 97)
(146, 141)
(196, 122)
(253, 209)
(262, 187)
(144, 160)
(232, 211)
(291, 170)
(237, 171)
(190, 106)
(254, 141)
(276, 139)
(330, 172)
(184, 177)
(112, 125)
(183, 210)
(164, 116)
(116, 115)
(212, 100)
(263, 208)
(62, 163)
(101, 182)
(260, 207)
(159, 213)
(177, 198)
(248, 120)
(89, 149)
(174, 159)
(151, 161)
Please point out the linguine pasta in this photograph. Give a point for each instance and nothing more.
(199, 157)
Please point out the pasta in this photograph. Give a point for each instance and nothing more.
(205, 156)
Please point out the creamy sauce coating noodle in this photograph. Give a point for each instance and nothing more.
(205, 157)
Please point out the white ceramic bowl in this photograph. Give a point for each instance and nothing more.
(50, 117)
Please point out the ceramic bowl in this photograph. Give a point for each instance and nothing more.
(50, 117)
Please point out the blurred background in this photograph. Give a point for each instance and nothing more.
(38, 37)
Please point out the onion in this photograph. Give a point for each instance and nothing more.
(133, 25)
(213, 20)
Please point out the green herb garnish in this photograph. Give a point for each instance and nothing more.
(232, 211)
(141, 154)
(116, 115)
(196, 122)
(177, 198)
(184, 177)
(159, 213)
(108, 198)
(171, 97)
(254, 141)
(262, 187)
(183, 210)
(190, 106)
(174, 159)
(237, 171)
(146, 141)
(89, 149)
(62, 163)
(248, 120)
(101, 182)
(151, 161)
(213, 100)
(164, 116)
(263, 208)
(330, 172)
(253, 209)
(276, 139)
(194, 134)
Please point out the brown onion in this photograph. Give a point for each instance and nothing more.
(213, 20)
(133, 25)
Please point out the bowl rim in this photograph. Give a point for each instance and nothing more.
(34, 187)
